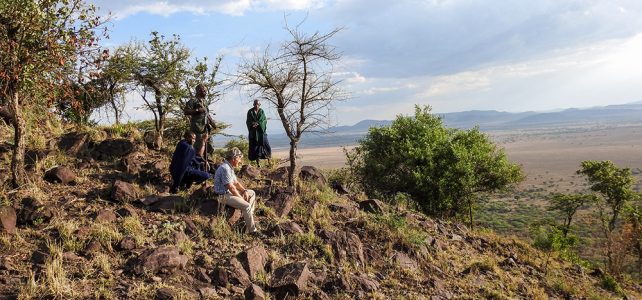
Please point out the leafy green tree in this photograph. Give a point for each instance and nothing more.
(616, 187)
(160, 68)
(568, 205)
(633, 232)
(553, 239)
(40, 42)
(444, 170)
(116, 79)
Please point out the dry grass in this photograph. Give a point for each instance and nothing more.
(134, 228)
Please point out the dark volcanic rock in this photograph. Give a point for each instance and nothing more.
(310, 173)
(201, 274)
(290, 280)
(280, 174)
(404, 261)
(164, 259)
(105, 216)
(123, 192)
(237, 274)
(285, 228)
(254, 292)
(366, 283)
(168, 204)
(372, 206)
(166, 294)
(74, 143)
(219, 276)
(127, 243)
(340, 188)
(127, 212)
(8, 219)
(282, 203)
(113, 148)
(35, 212)
(254, 259)
(93, 248)
(347, 245)
(132, 164)
(249, 171)
(60, 174)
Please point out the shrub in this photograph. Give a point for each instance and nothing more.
(444, 170)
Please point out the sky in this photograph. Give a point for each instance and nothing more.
(454, 55)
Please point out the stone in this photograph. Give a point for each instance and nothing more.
(365, 283)
(190, 227)
(40, 256)
(127, 243)
(168, 204)
(285, 228)
(282, 203)
(201, 274)
(346, 209)
(340, 188)
(127, 212)
(254, 292)
(93, 248)
(208, 293)
(310, 173)
(290, 280)
(71, 257)
(249, 171)
(456, 237)
(34, 212)
(5, 264)
(210, 207)
(123, 192)
(402, 260)
(105, 216)
(113, 148)
(180, 236)
(237, 274)
(166, 294)
(347, 246)
(164, 259)
(60, 174)
(74, 143)
(8, 219)
(253, 260)
(219, 277)
(132, 163)
(372, 206)
(280, 174)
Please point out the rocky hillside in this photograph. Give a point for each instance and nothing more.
(96, 221)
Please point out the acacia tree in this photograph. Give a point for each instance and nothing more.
(40, 41)
(297, 81)
(115, 80)
(160, 68)
(616, 187)
(568, 205)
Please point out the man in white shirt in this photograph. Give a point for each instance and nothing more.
(231, 192)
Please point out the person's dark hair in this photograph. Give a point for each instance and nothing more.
(200, 91)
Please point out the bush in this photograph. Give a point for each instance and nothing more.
(444, 170)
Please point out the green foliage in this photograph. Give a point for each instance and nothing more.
(609, 283)
(568, 206)
(240, 143)
(614, 183)
(444, 170)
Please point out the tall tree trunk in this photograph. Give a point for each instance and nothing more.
(470, 212)
(116, 112)
(292, 168)
(18, 174)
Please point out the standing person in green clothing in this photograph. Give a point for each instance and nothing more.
(198, 112)
(256, 126)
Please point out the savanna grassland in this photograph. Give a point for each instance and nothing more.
(549, 158)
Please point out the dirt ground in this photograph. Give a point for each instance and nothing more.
(549, 156)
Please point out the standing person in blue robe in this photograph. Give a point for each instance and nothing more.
(185, 165)
(256, 126)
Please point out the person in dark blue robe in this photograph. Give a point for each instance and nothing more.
(185, 165)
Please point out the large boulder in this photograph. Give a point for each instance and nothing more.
(8, 219)
(105, 216)
(346, 246)
(74, 143)
(60, 174)
(254, 292)
(403, 261)
(372, 206)
(237, 274)
(253, 260)
(164, 259)
(113, 148)
(310, 173)
(132, 163)
(290, 280)
(124, 192)
(285, 228)
(282, 203)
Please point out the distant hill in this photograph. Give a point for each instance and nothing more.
(487, 120)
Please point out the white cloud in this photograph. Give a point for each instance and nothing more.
(122, 9)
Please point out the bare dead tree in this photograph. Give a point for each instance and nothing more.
(296, 80)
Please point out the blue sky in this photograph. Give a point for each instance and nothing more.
(454, 55)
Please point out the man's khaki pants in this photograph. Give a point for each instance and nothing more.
(246, 207)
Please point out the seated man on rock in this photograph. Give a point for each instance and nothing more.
(185, 166)
(231, 192)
